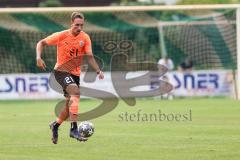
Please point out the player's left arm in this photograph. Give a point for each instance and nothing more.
(91, 59)
(93, 63)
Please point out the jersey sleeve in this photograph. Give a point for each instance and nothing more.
(88, 45)
(53, 39)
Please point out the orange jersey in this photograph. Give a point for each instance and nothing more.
(69, 47)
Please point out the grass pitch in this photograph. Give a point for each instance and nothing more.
(211, 133)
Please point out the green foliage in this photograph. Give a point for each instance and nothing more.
(50, 3)
(182, 2)
(134, 3)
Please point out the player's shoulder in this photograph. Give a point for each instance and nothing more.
(63, 33)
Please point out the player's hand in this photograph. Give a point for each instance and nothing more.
(100, 75)
(41, 64)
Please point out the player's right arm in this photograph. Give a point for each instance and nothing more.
(40, 63)
(50, 40)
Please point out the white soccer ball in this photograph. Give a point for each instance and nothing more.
(86, 129)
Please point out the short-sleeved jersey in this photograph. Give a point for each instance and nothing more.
(69, 47)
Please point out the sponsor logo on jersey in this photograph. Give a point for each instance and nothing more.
(81, 43)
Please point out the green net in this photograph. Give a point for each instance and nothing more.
(208, 38)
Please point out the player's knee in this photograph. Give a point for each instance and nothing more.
(73, 90)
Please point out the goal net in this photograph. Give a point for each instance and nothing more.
(208, 38)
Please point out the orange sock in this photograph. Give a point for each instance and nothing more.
(64, 113)
(73, 108)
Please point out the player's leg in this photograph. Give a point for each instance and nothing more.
(73, 91)
(73, 110)
(61, 79)
(54, 127)
(64, 113)
(70, 85)
(61, 118)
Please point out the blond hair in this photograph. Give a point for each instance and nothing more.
(76, 15)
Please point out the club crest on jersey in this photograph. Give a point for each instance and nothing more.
(81, 43)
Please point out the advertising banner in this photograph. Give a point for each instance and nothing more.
(196, 83)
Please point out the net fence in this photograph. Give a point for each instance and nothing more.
(208, 38)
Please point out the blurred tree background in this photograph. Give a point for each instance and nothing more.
(182, 2)
(50, 3)
(178, 2)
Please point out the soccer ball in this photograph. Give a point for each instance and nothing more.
(86, 129)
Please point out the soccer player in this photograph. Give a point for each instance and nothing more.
(71, 43)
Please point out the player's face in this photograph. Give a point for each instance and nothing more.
(77, 26)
